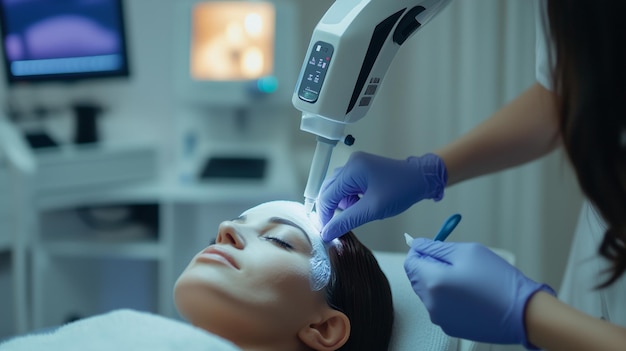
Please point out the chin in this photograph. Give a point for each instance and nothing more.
(198, 300)
(192, 296)
(184, 298)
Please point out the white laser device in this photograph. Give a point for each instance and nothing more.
(349, 54)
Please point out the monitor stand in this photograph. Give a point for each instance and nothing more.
(238, 167)
(86, 116)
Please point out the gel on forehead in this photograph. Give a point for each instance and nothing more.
(295, 211)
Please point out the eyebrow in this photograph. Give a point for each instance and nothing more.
(280, 220)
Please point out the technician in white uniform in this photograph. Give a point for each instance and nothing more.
(578, 103)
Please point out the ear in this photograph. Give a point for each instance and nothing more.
(330, 333)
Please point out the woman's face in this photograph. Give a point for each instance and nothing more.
(258, 271)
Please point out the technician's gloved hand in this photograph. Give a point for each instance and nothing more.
(370, 187)
(471, 292)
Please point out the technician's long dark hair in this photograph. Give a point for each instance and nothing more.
(360, 289)
(590, 79)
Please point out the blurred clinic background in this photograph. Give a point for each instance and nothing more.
(130, 128)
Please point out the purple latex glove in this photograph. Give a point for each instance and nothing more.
(370, 187)
(471, 292)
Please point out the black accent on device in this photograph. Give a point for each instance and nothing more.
(381, 32)
(408, 25)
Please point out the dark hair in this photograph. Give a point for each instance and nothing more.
(590, 79)
(360, 289)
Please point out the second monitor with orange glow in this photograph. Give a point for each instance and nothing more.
(232, 40)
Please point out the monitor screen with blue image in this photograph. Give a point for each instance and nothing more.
(63, 40)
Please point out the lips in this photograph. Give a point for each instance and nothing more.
(216, 254)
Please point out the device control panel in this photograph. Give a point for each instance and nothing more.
(315, 71)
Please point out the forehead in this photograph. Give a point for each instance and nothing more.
(290, 210)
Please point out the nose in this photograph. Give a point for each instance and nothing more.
(229, 235)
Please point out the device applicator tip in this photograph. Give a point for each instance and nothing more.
(308, 205)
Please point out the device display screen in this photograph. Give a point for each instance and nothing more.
(315, 71)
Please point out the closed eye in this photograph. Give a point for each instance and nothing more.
(281, 243)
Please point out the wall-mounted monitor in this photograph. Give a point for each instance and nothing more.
(62, 40)
(233, 53)
(232, 40)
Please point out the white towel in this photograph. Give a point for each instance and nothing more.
(412, 330)
(122, 330)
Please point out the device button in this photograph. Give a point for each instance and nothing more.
(371, 89)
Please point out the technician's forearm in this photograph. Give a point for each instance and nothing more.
(523, 130)
(555, 326)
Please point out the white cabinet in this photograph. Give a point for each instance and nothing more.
(62, 177)
(78, 271)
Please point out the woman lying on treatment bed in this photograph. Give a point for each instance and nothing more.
(269, 283)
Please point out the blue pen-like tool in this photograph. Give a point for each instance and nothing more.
(447, 227)
(445, 230)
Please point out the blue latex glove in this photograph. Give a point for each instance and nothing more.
(471, 292)
(370, 187)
